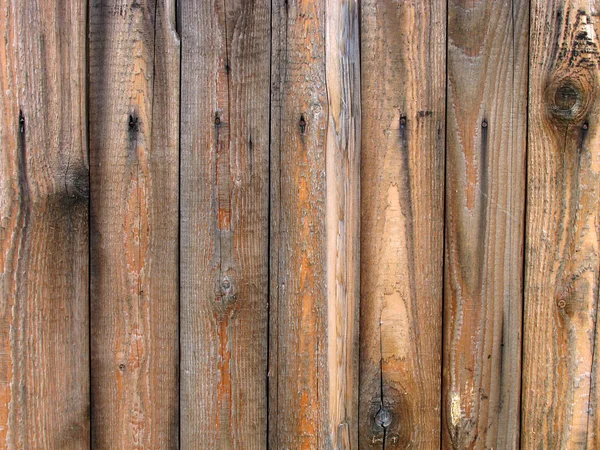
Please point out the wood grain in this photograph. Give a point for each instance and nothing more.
(560, 367)
(402, 185)
(44, 388)
(224, 223)
(299, 369)
(485, 200)
(134, 98)
(342, 156)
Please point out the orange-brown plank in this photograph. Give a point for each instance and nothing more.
(224, 223)
(485, 204)
(402, 182)
(315, 147)
(134, 110)
(44, 371)
(560, 366)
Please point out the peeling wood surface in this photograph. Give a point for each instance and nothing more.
(485, 167)
(402, 187)
(134, 140)
(560, 368)
(313, 224)
(44, 371)
(224, 223)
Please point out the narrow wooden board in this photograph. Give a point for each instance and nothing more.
(560, 367)
(402, 185)
(315, 220)
(134, 129)
(485, 206)
(224, 223)
(342, 155)
(44, 365)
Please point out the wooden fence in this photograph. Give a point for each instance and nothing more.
(299, 224)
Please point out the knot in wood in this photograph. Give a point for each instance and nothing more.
(565, 97)
(568, 99)
(226, 284)
(383, 418)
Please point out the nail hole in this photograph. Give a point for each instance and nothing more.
(302, 124)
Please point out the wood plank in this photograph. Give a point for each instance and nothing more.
(560, 379)
(224, 223)
(315, 155)
(485, 202)
(342, 155)
(134, 109)
(44, 365)
(402, 182)
(299, 128)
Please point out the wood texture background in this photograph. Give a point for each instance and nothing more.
(485, 157)
(402, 207)
(324, 224)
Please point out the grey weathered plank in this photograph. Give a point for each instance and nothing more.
(485, 204)
(402, 183)
(561, 339)
(44, 388)
(224, 223)
(134, 140)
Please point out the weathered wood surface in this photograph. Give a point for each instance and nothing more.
(315, 148)
(342, 162)
(402, 174)
(201, 201)
(44, 384)
(224, 223)
(134, 140)
(485, 193)
(560, 367)
(299, 118)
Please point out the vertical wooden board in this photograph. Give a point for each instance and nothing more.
(134, 129)
(342, 156)
(560, 368)
(315, 221)
(44, 388)
(485, 203)
(402, 182)
(224, 223)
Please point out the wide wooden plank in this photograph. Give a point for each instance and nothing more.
(315, 154)
(224, 223)
(560, 367)
(134, 129)
(402, 182)
(485, 204)
(44, 365)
